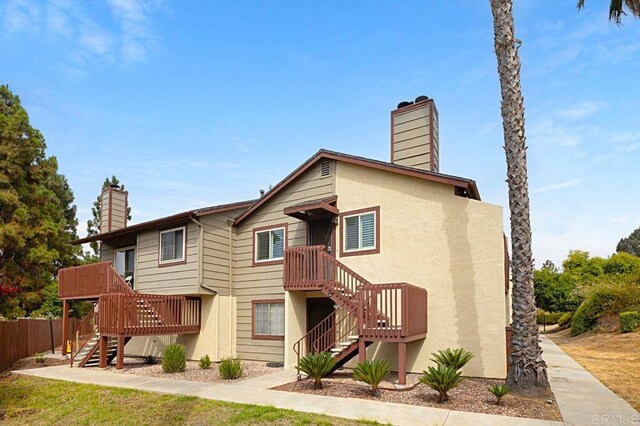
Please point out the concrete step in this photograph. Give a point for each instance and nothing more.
(337, 350)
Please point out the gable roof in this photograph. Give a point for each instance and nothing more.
(467, 184)
(166, 221)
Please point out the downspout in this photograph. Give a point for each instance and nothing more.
(231, 319)
(201, 256)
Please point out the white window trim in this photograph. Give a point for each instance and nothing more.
(184, 245)
(255, 244)
(375, 233)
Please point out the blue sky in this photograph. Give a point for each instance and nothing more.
(193, 104)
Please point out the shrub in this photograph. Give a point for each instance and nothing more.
(317, 366)
(455, 358)
(543, 317)
(565, 319)
(499, 390)
(174, 359)
(372, 373)
(39, 358)
(609, 297)
(150, 359)
(441, 379)
(629, 321)
(230, 368)
(205, 362)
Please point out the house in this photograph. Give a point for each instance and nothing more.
(358, 257)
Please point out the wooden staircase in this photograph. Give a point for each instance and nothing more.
(364, 312)
(119, 313)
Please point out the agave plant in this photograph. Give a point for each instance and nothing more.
(499, 390)
(441, 379)
(455, 358)
(372, 373)
(317, 366)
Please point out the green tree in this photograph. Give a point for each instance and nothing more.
(528, 370)
(618, 8)
(631, 244)
(37, 217)
(93, 225)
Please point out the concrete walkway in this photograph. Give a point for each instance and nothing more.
(256, 391)
(582, 399)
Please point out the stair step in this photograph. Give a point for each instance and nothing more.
(337, 350)
(353, 337)
(345, 344)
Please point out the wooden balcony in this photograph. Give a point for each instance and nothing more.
(392, 312)
(312, 268)
(134, 314)
(90, 281)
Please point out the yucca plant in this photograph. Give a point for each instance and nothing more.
(372, 373)
(455, 358)
(149, 360)
(317, 365)
(499, 390)
(441, 379)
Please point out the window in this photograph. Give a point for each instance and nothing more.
(360, 232)
(124, 262)
(172, 245)
(267, 319)
(269, 244)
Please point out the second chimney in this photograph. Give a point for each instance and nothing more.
(113, 209)
(414, 134)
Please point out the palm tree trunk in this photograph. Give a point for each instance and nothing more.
(528, 370)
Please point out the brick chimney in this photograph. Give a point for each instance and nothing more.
(113, 209)
(414, 134)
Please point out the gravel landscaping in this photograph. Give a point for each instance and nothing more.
(471, 395)
(193, 372)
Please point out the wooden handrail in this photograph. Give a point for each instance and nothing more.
(400, 311)
(75, 342)
(134, 314)
(90, 281)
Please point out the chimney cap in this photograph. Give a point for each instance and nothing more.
(404, 104)
(422, 98)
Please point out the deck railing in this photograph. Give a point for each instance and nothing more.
(311, 268)
(388, 312)
(134, 314)
(89, 281)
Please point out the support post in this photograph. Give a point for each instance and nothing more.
(362, 350)
(120, 353)
(65, 325)
(104, 344)
(402, 363)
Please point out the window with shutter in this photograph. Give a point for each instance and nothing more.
(269, 244)
(359, 231)
(268, 319)
(172, 244)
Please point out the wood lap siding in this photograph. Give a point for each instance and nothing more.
(216, 250)
(170, 279)
(106, 253)
(265, 281)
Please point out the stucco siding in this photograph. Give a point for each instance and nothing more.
(451, 246)
(265, 281)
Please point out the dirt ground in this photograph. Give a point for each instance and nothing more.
(470, 395)
(613, 358)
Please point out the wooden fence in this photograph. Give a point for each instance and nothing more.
(25, 337)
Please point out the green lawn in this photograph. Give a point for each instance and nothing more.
(34, 401)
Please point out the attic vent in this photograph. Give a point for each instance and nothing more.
(325, 168)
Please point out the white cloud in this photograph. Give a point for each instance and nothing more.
(581, 110)
(558, 186)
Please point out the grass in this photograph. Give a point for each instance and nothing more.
(613, 358)
(35, 401)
